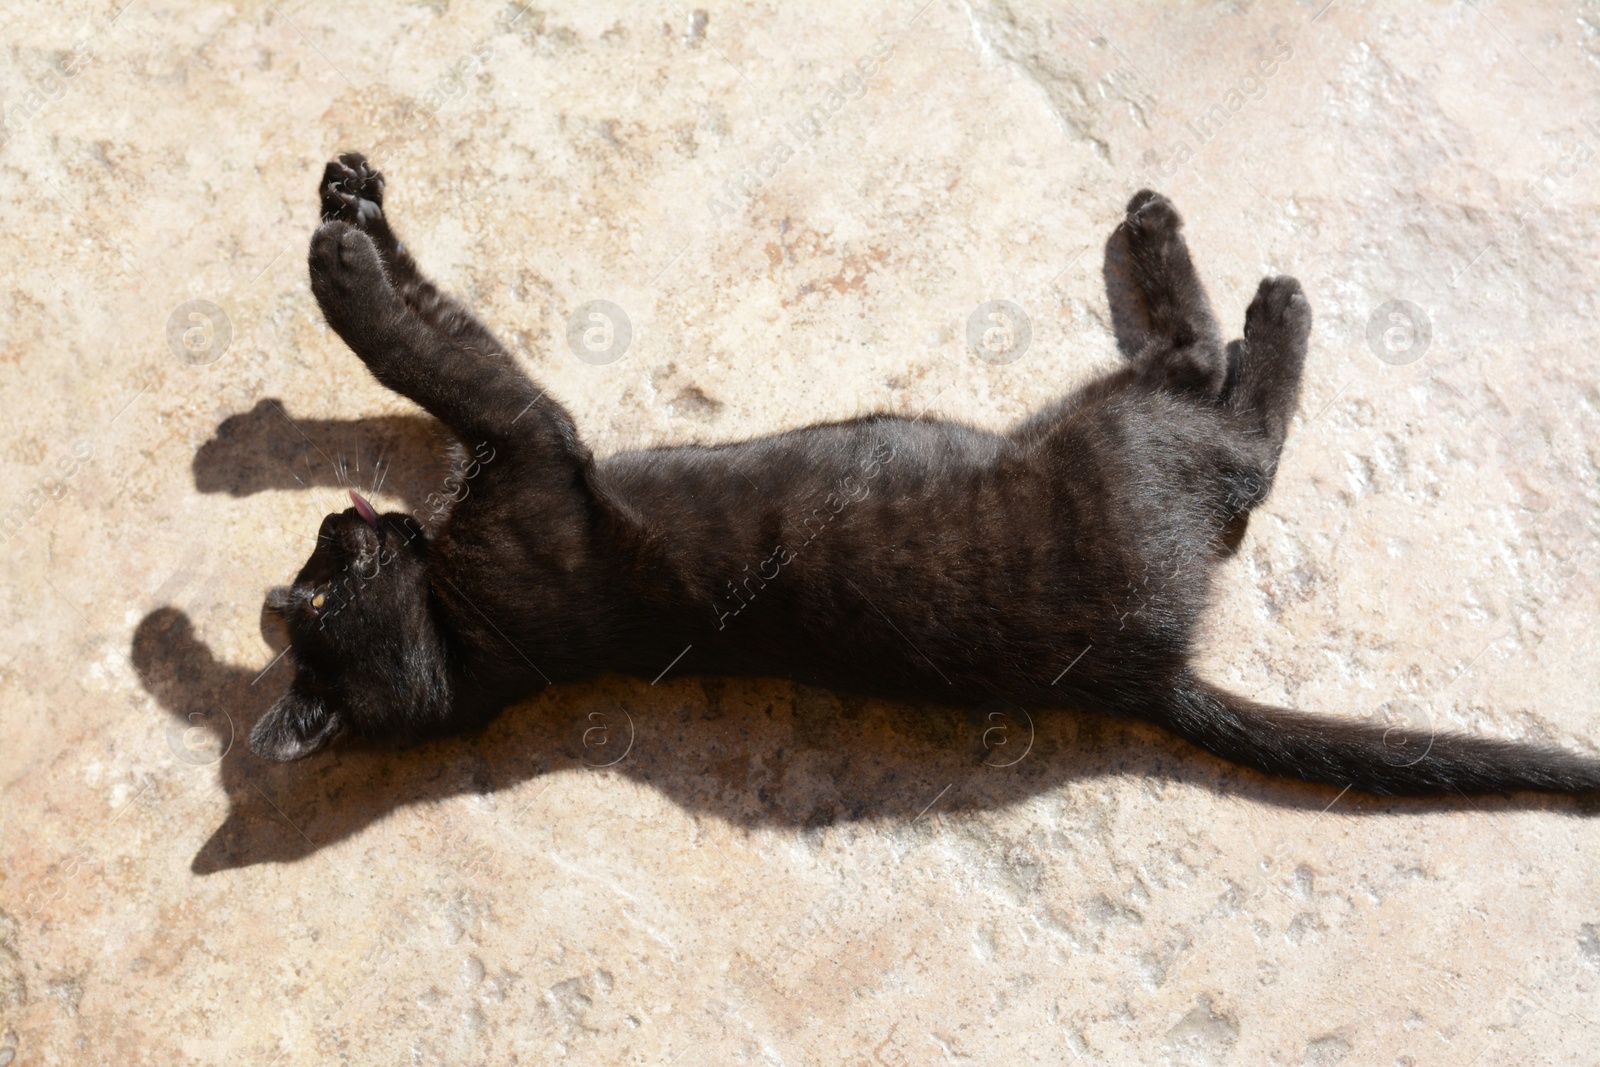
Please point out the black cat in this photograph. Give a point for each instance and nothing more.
(910, 559)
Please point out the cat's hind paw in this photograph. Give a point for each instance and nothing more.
(1280, 308)
(351, 190)
(1150, 214)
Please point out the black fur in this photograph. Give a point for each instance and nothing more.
(1064, 563)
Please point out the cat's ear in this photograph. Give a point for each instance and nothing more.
(295, 727)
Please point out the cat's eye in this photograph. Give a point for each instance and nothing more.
(319, 600)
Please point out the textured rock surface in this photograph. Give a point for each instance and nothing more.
(764, 874)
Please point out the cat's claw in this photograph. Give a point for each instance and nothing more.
(351, 190)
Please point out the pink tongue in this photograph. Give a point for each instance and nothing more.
(364, 509)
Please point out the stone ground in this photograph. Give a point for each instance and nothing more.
(707, 871)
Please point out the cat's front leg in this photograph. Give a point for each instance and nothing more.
(353, 289)
(475, 389)
(351, 191)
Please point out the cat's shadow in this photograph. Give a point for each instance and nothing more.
(748, 751)
(265, 448)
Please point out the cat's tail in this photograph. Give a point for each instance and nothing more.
(1370, 757)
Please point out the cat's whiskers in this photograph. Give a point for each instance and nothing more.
(310, 472)
(296, 535)
(380, 474)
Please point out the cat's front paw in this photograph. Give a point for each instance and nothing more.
(1280, 306)
(351, 190)
(348, 278)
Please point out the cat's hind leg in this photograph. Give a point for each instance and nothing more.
(1264, 386)
(1266, 366)
(1160, 310)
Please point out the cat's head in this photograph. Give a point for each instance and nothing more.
(367, 655)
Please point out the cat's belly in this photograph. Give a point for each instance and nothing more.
(887, 557)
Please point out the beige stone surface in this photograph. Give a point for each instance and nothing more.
(707, 871)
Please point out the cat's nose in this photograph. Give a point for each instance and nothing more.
(279, 597)
(355, 532)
